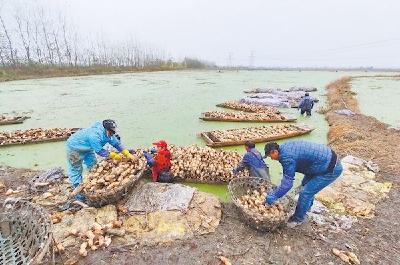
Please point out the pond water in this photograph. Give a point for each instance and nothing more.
(379, 97)
(146, 106)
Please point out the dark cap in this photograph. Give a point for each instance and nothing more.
(110, 125)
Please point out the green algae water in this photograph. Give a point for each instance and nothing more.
(147, 107)
(379, 97)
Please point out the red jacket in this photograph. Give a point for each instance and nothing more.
(162, 163)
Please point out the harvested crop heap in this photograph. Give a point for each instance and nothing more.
(248, 107)
(253, 201)
(97, 237)
(109, 175)
(261, 116)
(34, 135)
(204, 164)
(255, 132)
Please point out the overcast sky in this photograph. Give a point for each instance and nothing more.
(258, 32)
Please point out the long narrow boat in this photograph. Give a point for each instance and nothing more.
(259, 134)
(250, 117)
(4, 140)
(235, 105)
(13, 120)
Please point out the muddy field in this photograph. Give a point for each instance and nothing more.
(374, 241)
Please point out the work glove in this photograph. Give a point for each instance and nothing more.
(153, 151)
(115, 156)
(147, 155)
(127, 154)
(270, 199)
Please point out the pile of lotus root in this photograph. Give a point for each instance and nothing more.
(98, 236)
(256, 116)
(249, 107)
(244, 134)
(33, 135)
(204, 164)
(109, 175)
(254, 201)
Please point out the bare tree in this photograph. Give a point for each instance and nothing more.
(25, 39)
(10, 46)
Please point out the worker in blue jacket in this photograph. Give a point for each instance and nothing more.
(306, 104)
(254, 162)
(82, 146)
(319, 164)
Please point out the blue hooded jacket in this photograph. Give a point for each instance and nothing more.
(305, 157)
(93, 139)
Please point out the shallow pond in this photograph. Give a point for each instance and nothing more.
(146, 106)
(379, 97)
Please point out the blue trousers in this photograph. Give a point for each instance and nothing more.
(311, 186)
(75, 160)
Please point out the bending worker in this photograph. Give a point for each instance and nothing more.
(319, 164)
(82, 146)
(161, 163)
(254, 162)
(306, 104)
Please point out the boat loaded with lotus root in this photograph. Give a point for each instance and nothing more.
(204, 164)
(246, 116)
(38, 135)
(259, 134)
(248, 107)
(6, 120)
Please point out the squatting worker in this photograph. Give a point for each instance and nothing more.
(254, 162)
(161, 163)
(319, 164)
(306, 104)
(82, 146)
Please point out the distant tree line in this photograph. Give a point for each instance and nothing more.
(41, 40)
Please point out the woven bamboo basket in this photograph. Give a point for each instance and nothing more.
(110, 197)
(25, 232)
(239, 186)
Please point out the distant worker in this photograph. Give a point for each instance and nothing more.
(82, 146)
(254, 162)
(319, 164)
(306, 104)
(161, 163)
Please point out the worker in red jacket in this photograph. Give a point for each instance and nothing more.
(161, 163)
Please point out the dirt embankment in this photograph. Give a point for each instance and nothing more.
(23, 73)
(360, 135)
(368, 138)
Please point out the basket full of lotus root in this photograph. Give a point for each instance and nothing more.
(248, 194)
(110, 180)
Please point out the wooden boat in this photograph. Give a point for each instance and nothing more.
(13, 120)
(287, 118)
(36, 141)
(242, 107)
(213, 141)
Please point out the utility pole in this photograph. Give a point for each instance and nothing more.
(229, 60)
(251, 59)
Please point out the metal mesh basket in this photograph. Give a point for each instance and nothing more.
(96, 199)
(238, 187)
(25, 232)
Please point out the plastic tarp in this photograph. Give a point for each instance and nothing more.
(153, 197)
(290, 89)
